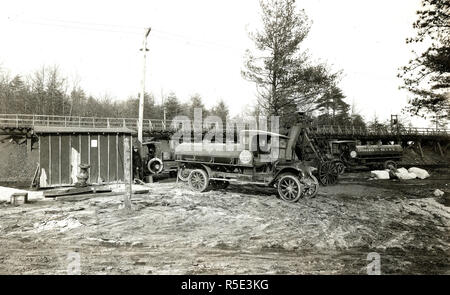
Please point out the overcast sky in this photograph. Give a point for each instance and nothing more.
(197, 46)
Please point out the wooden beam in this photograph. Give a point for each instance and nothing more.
(419, 145)
(440, 149)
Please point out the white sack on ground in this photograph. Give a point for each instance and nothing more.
(421, 173)
(402, 173)
(438, 193)
(380, 174)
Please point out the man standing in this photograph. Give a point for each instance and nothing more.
(137, 164)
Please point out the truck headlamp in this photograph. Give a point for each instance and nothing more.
(353, 154)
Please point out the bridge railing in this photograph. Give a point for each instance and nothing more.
(352, 130)
(24, 120)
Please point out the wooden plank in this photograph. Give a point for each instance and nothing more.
(77, 198)
(93, 148)
(44, 160)
(120, 158)
(34, 181)
(103, 149)
(84, 149)
(54, 160)
(112, 158)
(65, 159)
(75, 191)
(419, 145)
(127, 171)
(440, 149)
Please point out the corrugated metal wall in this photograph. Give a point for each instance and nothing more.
(60, 155)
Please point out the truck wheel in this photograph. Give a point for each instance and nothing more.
(328, 173)
(198, 180)
(389, 163)
(218, 184)
(289, 188)
(183, 174)
(312, 187)
(340, 167)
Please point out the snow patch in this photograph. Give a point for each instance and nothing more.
(63, 225)
(6, 192)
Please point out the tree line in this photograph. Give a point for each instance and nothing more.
(47, 92)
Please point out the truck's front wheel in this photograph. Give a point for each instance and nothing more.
(198, 180)
(289, 188)
(183, 174)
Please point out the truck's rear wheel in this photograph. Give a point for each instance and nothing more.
(328, 173)
(198, 180)
(219, 184)
(289, 188)
(312, 187)
(340, 167)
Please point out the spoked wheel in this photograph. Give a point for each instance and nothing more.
(289, 188)
(340, 167)
(328, 173)
(218, 184)
(183, 174)
(198, 180)
(312, 187)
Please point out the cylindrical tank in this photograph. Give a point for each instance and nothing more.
(378, 150)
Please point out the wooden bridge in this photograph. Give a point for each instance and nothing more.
(29, 125)
(21, 124)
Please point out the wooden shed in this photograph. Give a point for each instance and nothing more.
(62, 150)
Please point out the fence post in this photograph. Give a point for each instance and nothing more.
(93, 122)
(107, 122)
(124, 123)
(128, 176)
(17, 121)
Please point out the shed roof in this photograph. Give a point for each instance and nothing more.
(50, 129)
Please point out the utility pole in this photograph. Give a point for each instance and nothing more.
(141, 97)
(164, 107)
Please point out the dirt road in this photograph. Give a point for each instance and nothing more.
(240, 230)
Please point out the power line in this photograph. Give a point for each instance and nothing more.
(77, 27)
(89, 26)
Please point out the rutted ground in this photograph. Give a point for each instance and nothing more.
(239, 230)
